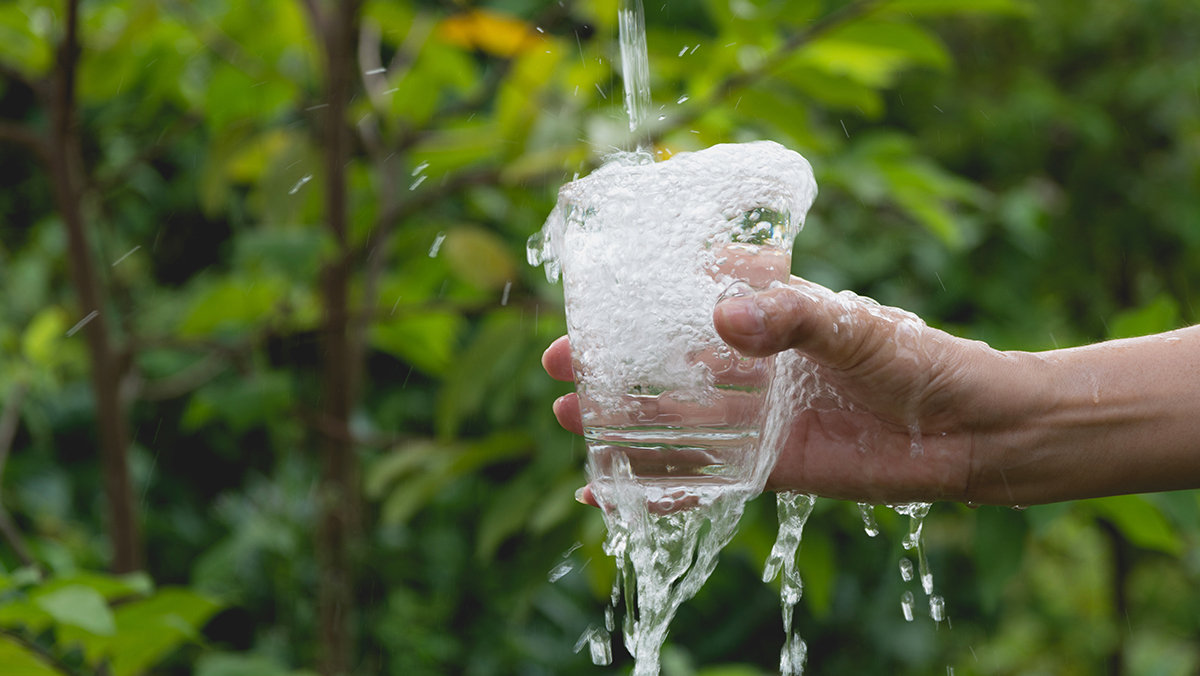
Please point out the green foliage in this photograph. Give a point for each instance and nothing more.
(120, 624)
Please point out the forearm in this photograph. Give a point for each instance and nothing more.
(1111, 418)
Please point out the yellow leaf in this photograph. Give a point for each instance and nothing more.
(489, 32)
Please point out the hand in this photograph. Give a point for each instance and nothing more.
(895, 373)
(993, 427)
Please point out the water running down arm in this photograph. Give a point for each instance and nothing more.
(1010, 428)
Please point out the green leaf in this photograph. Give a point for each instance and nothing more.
(505, 515)
(834, 91)
(873, 53)
(388, 469)
(934, 7)
(149, 629)
(42, 339)
(18, 661)
(236, 664)
(24, 37)
(26, 614)
(479, 257)
(241, 403)
(80, 606)
(232, 305)
(235, 97)
(1139, 522)
(109, 587)
(999, 547)
(491, 357)
(1160, 314)
(425, 339)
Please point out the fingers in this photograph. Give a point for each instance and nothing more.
(566, 409)
(557, 360)
(829, 328)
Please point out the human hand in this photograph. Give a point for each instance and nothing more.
(993, 427)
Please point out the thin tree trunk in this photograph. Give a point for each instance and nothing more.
(10, 418)
(338, 530)
(65, 161)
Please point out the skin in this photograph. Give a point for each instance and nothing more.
(1005, 428)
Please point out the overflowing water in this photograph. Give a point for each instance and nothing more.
(794, 509)
(674, 420)
(681, 431)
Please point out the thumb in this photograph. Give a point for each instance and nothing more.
(829, 328)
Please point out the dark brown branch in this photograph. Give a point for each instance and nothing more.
(22, 135)
(179, 384)
(338, 527)
(317, 16)
(65, 163)
(10, 418)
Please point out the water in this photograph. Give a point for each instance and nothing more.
(793, 509)
(674, 420)
(635, 63)
(868, 516)
(645, 251)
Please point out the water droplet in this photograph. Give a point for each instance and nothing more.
(868, 516)
(682, 98)
(661, 118)
(906, 605)
(599, 643)
(504, 298)
(420, 168)
(375, 71)
(683, 51)
(906, 569)
(419, 181)
(300, 184)
(937, 608)
(437, 244)
(560, 570)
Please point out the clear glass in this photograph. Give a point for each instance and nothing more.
(645, 251)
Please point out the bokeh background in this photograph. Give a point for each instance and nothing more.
(270, 394)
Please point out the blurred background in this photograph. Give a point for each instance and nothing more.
(270, 393)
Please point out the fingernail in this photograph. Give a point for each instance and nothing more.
(742, 316)
(579, 495)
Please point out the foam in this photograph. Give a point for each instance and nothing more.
(645, 246)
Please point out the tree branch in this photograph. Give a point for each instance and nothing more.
(9, 419)
(21, 134)
(65, 163)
